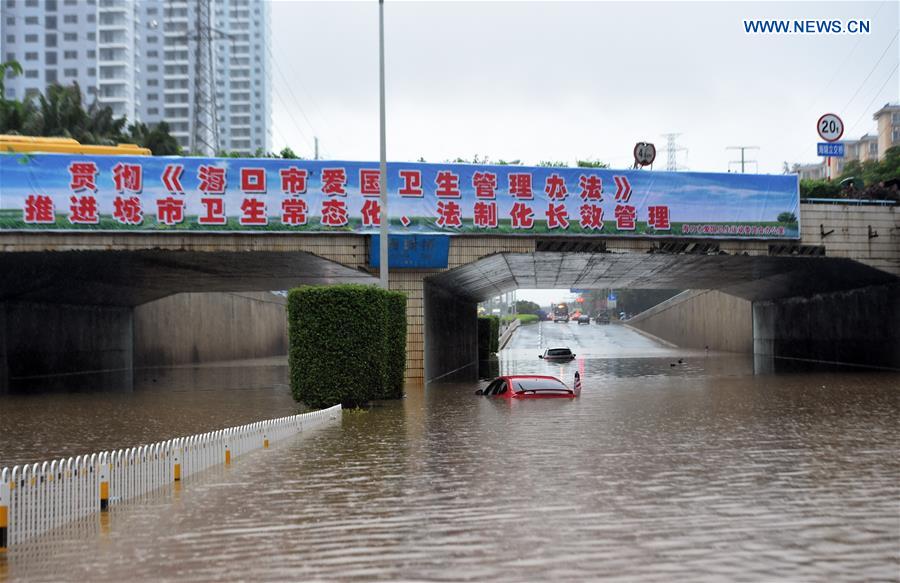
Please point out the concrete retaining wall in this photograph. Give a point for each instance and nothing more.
(860, 326)
(701, 318)
(51, 339)
(451, 336)
(206, 327)
(849, 232)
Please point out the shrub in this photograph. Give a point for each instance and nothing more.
(343, 344)
(522, 318)
(488, 336)
(395, 336)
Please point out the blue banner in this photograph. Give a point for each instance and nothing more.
(412, 251)
(133, 193)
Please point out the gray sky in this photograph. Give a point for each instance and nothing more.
(565, 80)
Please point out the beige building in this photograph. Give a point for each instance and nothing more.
(888, 122)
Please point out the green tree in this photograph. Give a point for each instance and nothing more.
(527, 307)
(787, 217)
(550, 164)
(591, 164)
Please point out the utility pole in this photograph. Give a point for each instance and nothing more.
(316, 143)
(743, 162)
(382, 180)
(672, 150)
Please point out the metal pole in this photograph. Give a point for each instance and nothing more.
(316, 154)
(382, 180)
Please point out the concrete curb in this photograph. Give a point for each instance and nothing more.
(507, 334)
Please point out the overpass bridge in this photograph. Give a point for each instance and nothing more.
(68, 295)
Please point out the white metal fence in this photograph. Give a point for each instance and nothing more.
(37, 498)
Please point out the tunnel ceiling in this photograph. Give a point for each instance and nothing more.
(129, 278)
(749, 277)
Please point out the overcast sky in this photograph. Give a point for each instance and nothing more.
(566, 80)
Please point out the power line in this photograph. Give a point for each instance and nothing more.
(868, 109)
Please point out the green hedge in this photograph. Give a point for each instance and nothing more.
(492, 323)
(522, 318)
(347, 344)
(396, 344)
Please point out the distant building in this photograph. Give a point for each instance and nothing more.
(888, 122)
(137, 57)
(868, 147)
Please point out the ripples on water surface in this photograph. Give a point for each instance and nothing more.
(699, 471)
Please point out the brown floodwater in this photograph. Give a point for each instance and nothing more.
(721, 468)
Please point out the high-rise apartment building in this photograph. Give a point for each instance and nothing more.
(138, 57)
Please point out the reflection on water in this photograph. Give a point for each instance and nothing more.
(702, 470)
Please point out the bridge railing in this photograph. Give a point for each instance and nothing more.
(37, 498)
(849, 201)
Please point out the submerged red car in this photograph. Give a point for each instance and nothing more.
(530, 387)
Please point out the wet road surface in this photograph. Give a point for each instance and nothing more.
(717, 469)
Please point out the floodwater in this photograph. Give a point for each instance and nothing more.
(720, 468)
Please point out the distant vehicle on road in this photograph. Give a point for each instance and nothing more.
(602, 318)
(557, 354)
(560, 313)
(583, 319)
(530, 387)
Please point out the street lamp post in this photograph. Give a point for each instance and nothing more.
(382, 180)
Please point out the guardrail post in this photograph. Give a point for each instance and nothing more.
(177, 451)
(4, 512)
(104, 484)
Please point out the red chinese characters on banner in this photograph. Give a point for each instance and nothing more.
(39, 209)
(371, 213)
(591, 188)
(659, 218)
(253, 180)
(83, 210)
(334, 213)
(591, 217)
(334, 181)
(555, 187)
(215, 212)
(253, 212)
(485, 215)
(294, 211)
(128, 177)
(370, 182)
(170, 210)
(212, 179)
(449, 214)
(412, 183)
(522, 216)
(520, 186)
(625, 216)
(447, 184)
(293, 180)
(128, 210)
(171, 178)
(485, 185)
(83, 176)
(557, 216)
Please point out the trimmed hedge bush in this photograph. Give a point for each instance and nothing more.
(488, 336)
(347, 344)
(396, 344)
(522, 318)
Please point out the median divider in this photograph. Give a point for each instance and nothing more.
(37, 498)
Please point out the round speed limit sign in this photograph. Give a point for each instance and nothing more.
(644, 153)
(830, 127)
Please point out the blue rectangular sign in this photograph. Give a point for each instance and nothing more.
(828, 149)
(412, 251)
(74, 192)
